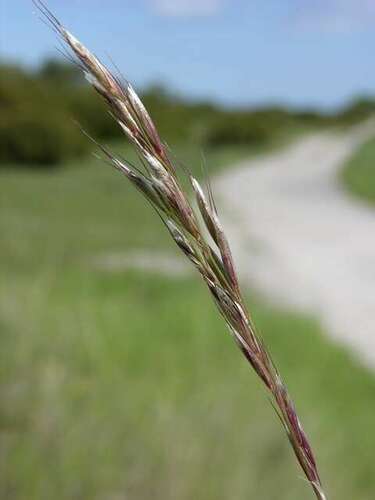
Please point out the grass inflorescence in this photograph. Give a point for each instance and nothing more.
(159, 184)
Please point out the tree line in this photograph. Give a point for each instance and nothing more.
(39, 110)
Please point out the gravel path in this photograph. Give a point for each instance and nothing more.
(301, 240)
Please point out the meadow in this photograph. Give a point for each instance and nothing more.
(358, 174)
(120, 384)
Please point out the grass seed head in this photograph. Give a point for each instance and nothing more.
(161, 187)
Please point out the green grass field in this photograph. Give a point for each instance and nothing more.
(126, 385)
(358, 174)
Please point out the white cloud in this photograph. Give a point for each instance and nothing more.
(336, 15)
(187, 7)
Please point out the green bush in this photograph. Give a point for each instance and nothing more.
(89, 110)
(35, 126)
(37, 113)
(358, 110)
(178, 120)
(237, 129)
(43, 139)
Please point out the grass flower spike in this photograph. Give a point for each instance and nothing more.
(159, 184)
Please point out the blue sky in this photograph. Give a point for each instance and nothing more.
(299, 52)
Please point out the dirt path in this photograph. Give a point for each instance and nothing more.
(301, 240)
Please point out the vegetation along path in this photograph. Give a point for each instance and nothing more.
(301, 240)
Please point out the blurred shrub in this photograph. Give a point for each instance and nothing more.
(358, 110)
(313, 118)
(60, 73)
(90, 111)
(37, 113)
(237, 129)
(71, 91)
(38, 138)
(35, 128)
(259, 127)
(178, 120)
